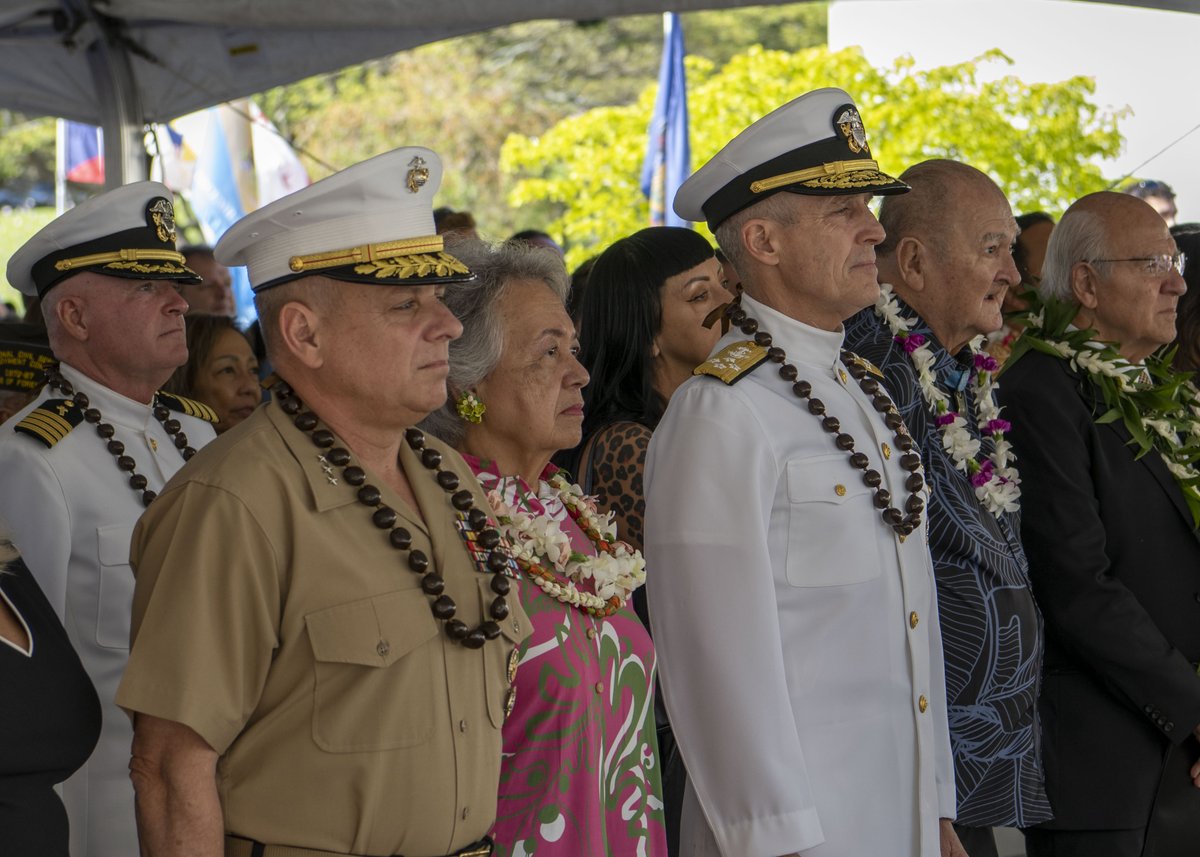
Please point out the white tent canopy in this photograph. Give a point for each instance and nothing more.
(123, 63)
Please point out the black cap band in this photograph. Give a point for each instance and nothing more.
(739, 194)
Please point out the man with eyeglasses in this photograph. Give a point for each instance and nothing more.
(1113, 551)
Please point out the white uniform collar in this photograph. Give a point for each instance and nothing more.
(112, 405)
(803, 343)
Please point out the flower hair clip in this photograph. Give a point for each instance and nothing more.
(469, 407)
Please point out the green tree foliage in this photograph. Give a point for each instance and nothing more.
(465, 96)
(26, 149)
(1039, 141)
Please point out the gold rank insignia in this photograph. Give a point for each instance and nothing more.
(191, 407)
(51, 421)
(733, 362)
(865, 363)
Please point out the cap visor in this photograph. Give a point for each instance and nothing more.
(145, 270)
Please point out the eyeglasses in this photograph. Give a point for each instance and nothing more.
(1156, 265)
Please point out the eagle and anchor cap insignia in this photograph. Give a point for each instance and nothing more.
(128, 232)
(815, 144)
(371, 223)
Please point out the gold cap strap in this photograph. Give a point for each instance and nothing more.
(366, 253)
(833, 168)
(119, 256)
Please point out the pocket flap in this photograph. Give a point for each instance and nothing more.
(113, 544)
(824, 479)
(373, 632)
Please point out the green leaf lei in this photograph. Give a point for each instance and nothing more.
(1158, 405)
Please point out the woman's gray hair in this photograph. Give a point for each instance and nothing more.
(475, 354)
(1080, 236)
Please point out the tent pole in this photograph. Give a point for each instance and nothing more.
(121, 113)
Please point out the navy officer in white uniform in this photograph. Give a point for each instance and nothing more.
(792, 593)
(88, 455)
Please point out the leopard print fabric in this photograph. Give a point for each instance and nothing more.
(618, 463)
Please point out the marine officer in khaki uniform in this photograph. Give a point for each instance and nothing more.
(80, 463)
(324, 624)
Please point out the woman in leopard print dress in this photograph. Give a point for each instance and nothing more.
(641, 321)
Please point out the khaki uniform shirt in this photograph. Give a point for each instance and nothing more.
(273, 618)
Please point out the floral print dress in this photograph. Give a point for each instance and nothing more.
(579, 775)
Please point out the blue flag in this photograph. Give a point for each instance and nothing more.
(668, 155)
(217, 204)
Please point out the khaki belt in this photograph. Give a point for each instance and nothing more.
(235, 846)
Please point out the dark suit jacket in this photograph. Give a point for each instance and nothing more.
(1115, 565)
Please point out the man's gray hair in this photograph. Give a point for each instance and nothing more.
(923, 213)
(778, 207)
(80, 285)
(1081, 236)
(475, 354)
(313, 291)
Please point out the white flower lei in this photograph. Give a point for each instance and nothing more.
(996, 482)
(1158, 405)
(1096, 358)
(538, 542)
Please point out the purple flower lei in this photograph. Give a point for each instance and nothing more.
(987, 470)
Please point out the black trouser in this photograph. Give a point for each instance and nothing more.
(1040, 842)
(977, 841)
(674, 782)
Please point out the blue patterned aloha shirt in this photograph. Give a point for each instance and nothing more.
(991, 626)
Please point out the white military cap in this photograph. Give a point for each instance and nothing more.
(369, 223)
(127, 232)
(814, 144)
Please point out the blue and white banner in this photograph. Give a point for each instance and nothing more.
(668, 154)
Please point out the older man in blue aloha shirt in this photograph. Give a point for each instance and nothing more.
(946, 264)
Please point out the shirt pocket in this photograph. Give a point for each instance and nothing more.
(114, 598)
(374, 673)
(831, 523)
(501, 654)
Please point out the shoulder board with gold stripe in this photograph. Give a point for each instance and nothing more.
(51, 421)
(864, 363)
(733, 362)
(191, 407)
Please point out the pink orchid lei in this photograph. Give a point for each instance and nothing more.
(544, 551)
(996, 483)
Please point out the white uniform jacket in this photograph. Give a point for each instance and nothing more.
(71, 513)
(798, 641)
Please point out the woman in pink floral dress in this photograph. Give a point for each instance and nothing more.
(580, 775)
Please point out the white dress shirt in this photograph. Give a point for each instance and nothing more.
(799, 649)
(71, 512)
